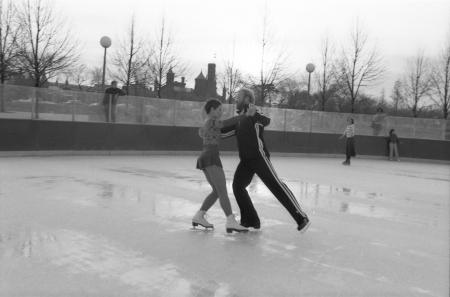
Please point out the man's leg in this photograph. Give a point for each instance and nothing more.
(242, 178)
(348, 153)
(106, 109)
(397, 157)
(113, 113)
(266, 172)
(391, 150)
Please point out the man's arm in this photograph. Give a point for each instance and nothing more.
(231, 122)
(263, 120)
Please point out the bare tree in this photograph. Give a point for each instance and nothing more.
(360, 66)
(130, 58)
(9, 31)
(397, 95)
(440, 80)
(80, 75)
(163, 58)
(8, 43)
(231, 80)
(96, 76)
(417, 83)
(46, 48)
(292, 92)
(326, 76)
(272, 67)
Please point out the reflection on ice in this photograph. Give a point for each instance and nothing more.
(80, 253)
(119, 226)
(314, 197)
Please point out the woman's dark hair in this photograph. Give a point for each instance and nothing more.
(212, 103)
(390, 132)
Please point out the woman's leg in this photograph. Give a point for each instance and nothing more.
(216, 177)
(347, 151)
(212, 197)
(396, 151)
(391, 150)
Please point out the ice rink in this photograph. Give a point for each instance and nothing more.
(121, 226)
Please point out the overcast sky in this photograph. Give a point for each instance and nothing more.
(205, 30)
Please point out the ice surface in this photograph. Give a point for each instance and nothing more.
(120, 226)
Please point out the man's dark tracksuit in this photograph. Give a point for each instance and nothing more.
(254, 158)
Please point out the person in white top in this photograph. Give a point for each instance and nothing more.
(349, 134)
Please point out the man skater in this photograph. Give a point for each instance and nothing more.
(254, 158)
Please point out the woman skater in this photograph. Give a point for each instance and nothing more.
(209, 162)
(349, 134)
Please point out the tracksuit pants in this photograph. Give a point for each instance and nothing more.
(263, 168)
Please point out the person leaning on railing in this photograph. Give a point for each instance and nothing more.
(110, 101)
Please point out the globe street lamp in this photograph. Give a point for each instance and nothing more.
(310, 68)
(105, 42)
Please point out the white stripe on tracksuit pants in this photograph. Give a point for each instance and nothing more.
(283, 185)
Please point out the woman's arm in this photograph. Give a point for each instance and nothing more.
(201, 132)
(228, 128)
(230, 124)
(343, 134)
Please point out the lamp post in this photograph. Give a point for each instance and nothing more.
(310, 68)
(105, 42)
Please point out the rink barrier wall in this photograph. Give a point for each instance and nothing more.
(54, 103)
(41, 135)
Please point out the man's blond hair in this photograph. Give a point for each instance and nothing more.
(244, 92)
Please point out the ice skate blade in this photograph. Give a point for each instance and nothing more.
(230, 230)
(303, 230)
(206, 227)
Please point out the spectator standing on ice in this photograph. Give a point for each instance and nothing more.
(110, 101)
(393, 145)
(349, 134)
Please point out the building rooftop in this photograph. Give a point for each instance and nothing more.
(201, 76)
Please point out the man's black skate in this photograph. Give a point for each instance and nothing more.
(304, 225)
(248, 225)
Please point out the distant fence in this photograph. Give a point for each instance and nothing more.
(20, 102)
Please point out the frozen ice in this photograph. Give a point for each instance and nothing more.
(121, 226)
